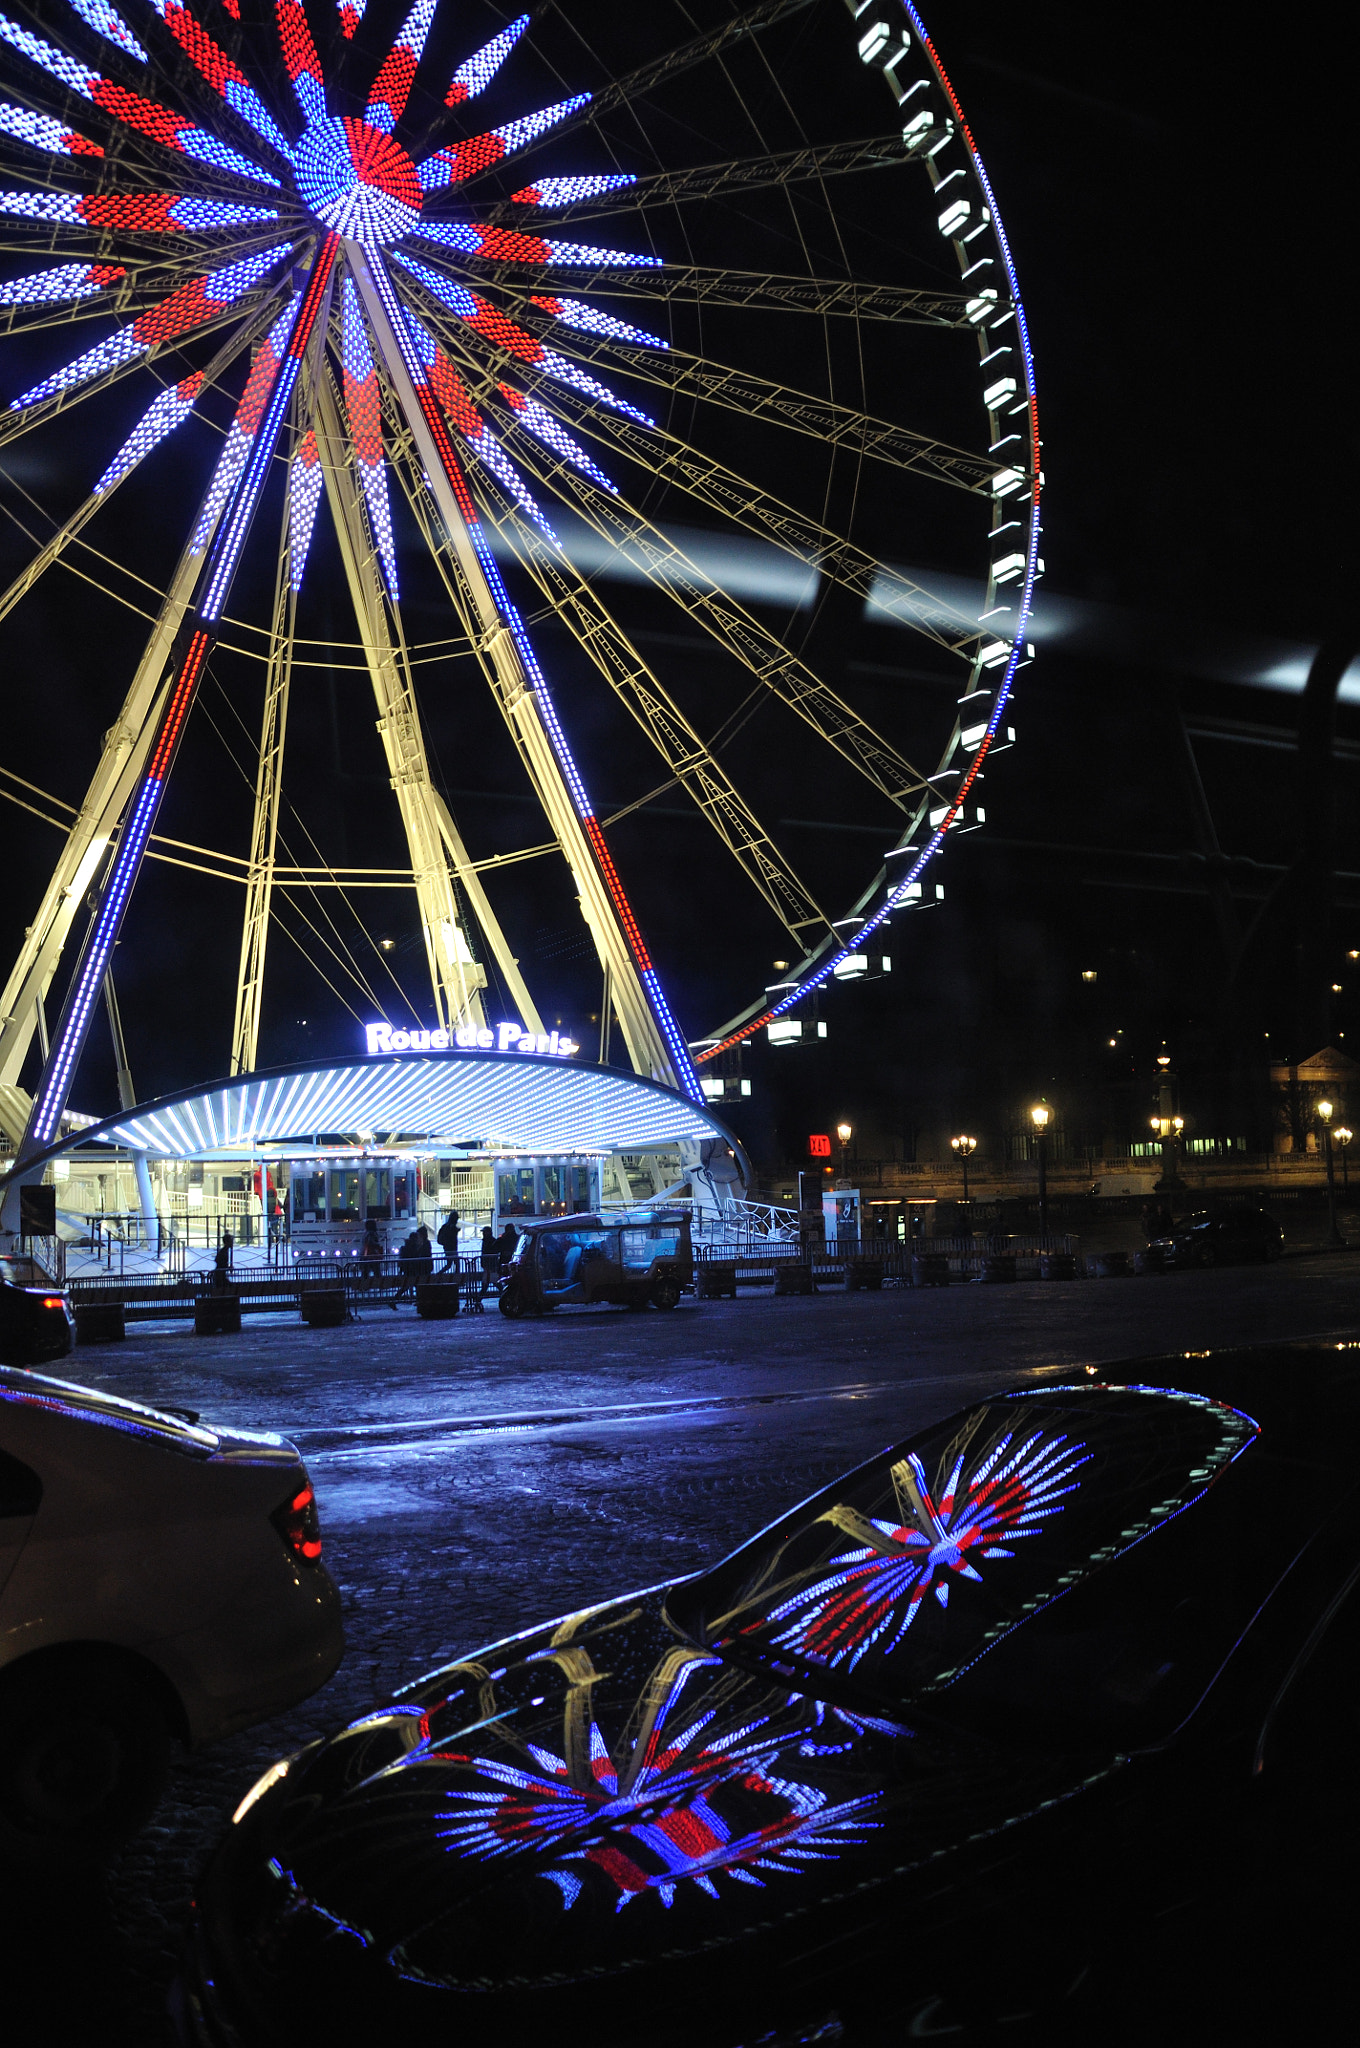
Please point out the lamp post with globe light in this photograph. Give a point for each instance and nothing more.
(965, 1148)
(1325, 1112)
(844, 1132)
(1040, 1117)
(1171, 1130)
(1341, 1138)
(1168, 1126)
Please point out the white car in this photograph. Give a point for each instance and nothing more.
(158, 1578)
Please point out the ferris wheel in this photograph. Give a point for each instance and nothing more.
(699, 331)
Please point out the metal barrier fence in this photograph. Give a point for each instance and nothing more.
(257, 1291)
(832, 1258)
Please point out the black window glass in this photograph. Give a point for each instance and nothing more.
(915, 1566)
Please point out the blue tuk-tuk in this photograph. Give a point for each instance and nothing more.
(636, 1261)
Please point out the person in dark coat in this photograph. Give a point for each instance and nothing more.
(370, 1255)
(409, 1265)
(505, 1246)
(423, 1253)
(222, 1263)
(448, 1240)
(491, 1259)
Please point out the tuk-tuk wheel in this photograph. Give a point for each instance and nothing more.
(665, 1294)
(511, 1305)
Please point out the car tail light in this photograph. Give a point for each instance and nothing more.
(299, 1525)
(53, 1301)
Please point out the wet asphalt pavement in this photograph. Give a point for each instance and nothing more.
(479, 1475)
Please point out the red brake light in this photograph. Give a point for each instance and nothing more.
(299, 1525)
(53, 1301)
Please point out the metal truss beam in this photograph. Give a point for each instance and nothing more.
(717, 181)
(660, 70)
(264, 834)
(741, 635)
(14, 425)
(662, 455)
(517, 698)
(691, 762)
(755, 291)
(127, 745)
(835, 426)
(55, 548)
(456, 977)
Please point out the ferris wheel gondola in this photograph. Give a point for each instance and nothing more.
(469, 312)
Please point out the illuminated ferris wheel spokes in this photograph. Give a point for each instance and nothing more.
(408, 318)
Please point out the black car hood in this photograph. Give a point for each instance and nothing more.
(610, 1791)
(649, 1778)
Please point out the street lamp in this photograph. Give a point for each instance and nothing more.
(1325, 1111)
(1170, 1129)
(965, 1147)
(1039, 1117)
(844, 1132)
(1341, 1138)
(1167, 1126)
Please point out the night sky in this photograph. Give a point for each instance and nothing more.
(1180, 213)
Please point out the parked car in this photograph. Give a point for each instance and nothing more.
(1226, 1237)
(646, 1259)
(158, 1578)
(905, 1756)
(35, 1321)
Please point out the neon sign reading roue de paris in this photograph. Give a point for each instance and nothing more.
(383, 1038)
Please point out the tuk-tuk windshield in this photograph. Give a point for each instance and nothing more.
(645, 1242)
(562, 1253)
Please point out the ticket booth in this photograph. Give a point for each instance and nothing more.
(333, 1202)
(563, 1185)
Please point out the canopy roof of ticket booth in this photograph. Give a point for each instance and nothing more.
(515, 1102)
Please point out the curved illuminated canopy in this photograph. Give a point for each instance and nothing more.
(504, 1103)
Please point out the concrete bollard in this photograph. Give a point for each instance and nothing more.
(716, 1278)
(792, 1277)
(436, 1300)
(217, 1314)
(323, 1308)
(863, 1273)
(100, 1322)
(1058, 1266)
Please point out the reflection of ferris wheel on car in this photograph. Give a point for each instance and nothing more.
(700, 387)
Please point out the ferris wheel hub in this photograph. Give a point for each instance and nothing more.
(358, 181)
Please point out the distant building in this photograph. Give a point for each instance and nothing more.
(1326, 1076)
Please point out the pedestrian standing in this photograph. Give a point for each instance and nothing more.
(505, 1246)
(222, 1263)
(448, 1240)
(407, 1264)
(491, 1259)
(370, 1255)
(424, 1253)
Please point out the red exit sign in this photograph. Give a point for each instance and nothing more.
(819, 1146)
